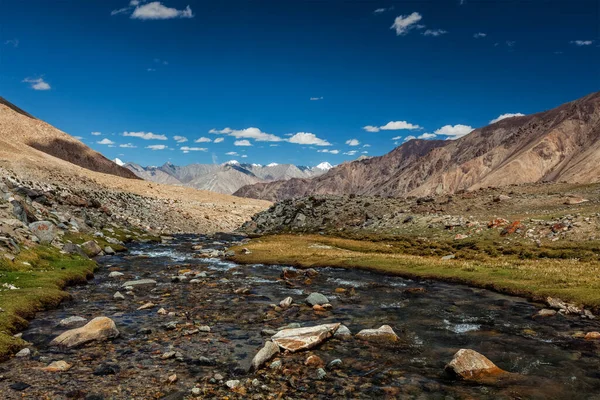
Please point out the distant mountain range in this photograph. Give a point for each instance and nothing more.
(562, 144)
(223, 178)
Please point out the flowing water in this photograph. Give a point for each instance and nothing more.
(433, 319)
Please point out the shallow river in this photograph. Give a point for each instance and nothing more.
(235, 301)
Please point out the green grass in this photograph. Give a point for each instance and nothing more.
(40, 286)
(570, 271)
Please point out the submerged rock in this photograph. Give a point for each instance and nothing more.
(140, 282)
(23, 353)
(385, 333)
(98, 329)
(70, 321)
(469, 365)
(343, 332)
(285, 303)
(304, 338)
(57, 366)
(316, 299)
(264, 355)
(592, 336)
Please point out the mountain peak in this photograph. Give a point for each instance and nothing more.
(118, 162)
(325, 166)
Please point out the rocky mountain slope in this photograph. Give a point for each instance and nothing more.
(224, 178)
(562, 144)
(35, 152)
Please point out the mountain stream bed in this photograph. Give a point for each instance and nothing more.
(173, 355)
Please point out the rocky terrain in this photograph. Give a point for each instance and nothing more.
(560, 145)
(35, 152)
(224, 178)
(535, 213)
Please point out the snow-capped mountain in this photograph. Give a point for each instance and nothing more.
(224, 178)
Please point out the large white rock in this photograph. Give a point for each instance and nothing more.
(385, 333)
(98, 329)
(468, 364)
(304, 338)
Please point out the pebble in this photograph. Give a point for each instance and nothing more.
(334, 363)
(232, 384)
(218, 377)
(162, 311)
(23, 353)
(172, 378)
(285, 303)
(321, 373)
(147, 306)
(71, 321)
(316, 299)
(204, 328)
(115, 274)
(196, 391)
(118, 296)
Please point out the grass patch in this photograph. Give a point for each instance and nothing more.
(40, 273)
(572, 279)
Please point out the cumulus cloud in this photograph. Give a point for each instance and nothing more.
(427, 136)
(351, 152)
(504, 116)
(316, 98)
(242, 143)
(434, 32)
(352, 142)
(128, 146)
(454, 131)
(205, 140)
(105, 141)
(156, 10)
(156, 147)
(328, 151)
(96, 133)
(180, 139)
(248, 133)
(37, 83)
(187, 149)
(145, 135)
(582, 42)
(218, 140)
(404, 23)
(308, 138)
(406, 139)
(479, 35)
(391, 126)
(232, 153)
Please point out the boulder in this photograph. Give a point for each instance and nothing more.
(343, 332)
(91, 248)
(469, 365)
(385, 333)
(316, 299)
(98, 329)
(72, 248)
(304, 338)
(264, 355)
(43, 230)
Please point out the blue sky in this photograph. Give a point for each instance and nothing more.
(289, 81)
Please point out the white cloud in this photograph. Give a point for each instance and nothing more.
(244, 156)
(12, 42)
(328, 151)
(379, 10)
(96, 133)
(128, 146)
(582, 42)
(248, 133)
(366, 145)
(156, 147)
(308, 138)
(106, 141)
(180, 139)
(316, 98)
(187, 149)
(410, 137)
(145, 135)
(427, 136)
(78, 137)
(242, 143)
(156, 10)
(218, 140)
(454, 132)
(403, 23)
(479, 35)
(159, 61)
(434, 32)
(504, 116)
(206, 140)
(391, 126)
(37, 83)
(352, 142)
(120, 11)
(351, 152)
(510, 43)
(232, 153)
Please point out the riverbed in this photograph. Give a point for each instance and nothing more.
(236, 304)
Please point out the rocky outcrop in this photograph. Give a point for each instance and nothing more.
(98, 329)
(562, 144)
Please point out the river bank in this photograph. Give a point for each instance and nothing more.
(194, 329)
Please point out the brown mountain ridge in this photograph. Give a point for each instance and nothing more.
(562, 144)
